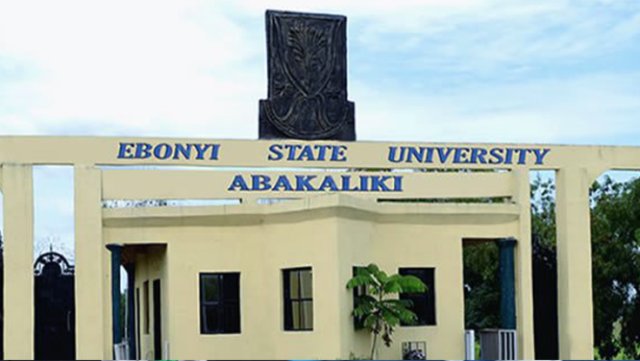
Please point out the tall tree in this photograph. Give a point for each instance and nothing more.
(615, 231)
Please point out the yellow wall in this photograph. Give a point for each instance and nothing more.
(331, 234)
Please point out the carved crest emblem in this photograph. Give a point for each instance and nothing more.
(307, 78)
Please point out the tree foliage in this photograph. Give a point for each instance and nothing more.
(380, 312)
(615, 248)
(481, 286)
(615, 233)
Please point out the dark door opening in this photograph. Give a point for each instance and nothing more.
(157, 321)
(545, 302)
(138, 344)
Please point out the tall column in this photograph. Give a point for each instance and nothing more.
(116, 257)
(507, 284)
(575, 309)
(91, 270)
(17, 191)
(523, 266)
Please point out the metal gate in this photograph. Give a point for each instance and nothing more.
(498, 344)
(54, 308)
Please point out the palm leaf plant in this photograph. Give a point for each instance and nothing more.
(381, 312)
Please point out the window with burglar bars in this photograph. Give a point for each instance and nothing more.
(219, 303)
(298, 299)
(423, 304)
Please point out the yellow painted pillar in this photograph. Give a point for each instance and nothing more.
(92, 329)
(17, 191)
(524, 270)
(575, 309)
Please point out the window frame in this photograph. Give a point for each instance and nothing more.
(220, 304)
(429, 298)
(288, 302)
(358, 322)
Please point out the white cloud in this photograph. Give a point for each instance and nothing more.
(485, 36)
(196, 67)
(143, 66)
(599, 108)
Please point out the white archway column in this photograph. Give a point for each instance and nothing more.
(524, 268)
(17, 191)
(93, 339)
(575, 304)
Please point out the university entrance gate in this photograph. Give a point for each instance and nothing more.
(102, 174)
(343, 209)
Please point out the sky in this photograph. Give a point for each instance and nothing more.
(543, 71)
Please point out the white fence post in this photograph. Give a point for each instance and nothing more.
(469, 345)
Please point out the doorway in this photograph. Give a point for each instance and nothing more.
(157, 321)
